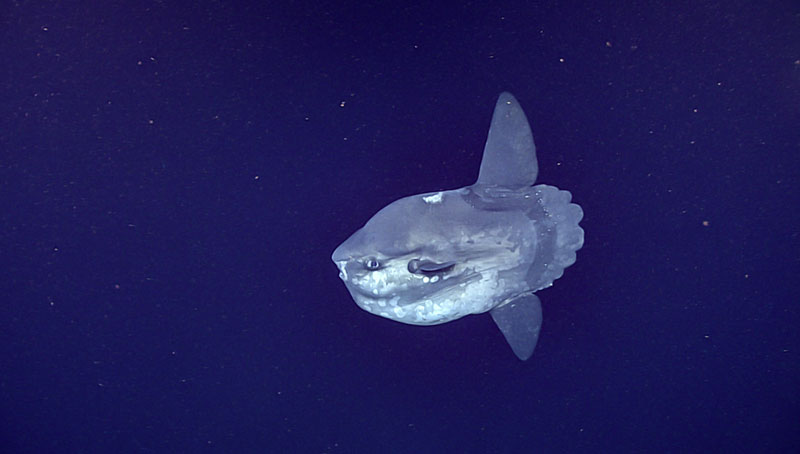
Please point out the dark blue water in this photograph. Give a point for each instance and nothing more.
(173, 180)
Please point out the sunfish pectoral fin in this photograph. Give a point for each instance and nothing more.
(520, 321)
(428, 266)
(509, 157)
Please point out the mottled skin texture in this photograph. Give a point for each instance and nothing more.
(493, 245)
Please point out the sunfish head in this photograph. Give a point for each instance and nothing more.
(423, 260)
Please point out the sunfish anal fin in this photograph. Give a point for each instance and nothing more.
(520, 321)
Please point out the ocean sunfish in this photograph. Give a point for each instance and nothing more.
(432, 258)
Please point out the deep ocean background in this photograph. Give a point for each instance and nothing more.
(174, 177)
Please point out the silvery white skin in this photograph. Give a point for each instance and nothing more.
(432, 258)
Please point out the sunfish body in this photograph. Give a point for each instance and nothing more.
(432, 258)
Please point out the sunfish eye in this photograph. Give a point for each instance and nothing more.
(371, 263)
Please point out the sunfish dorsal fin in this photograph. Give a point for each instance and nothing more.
(509, 157)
